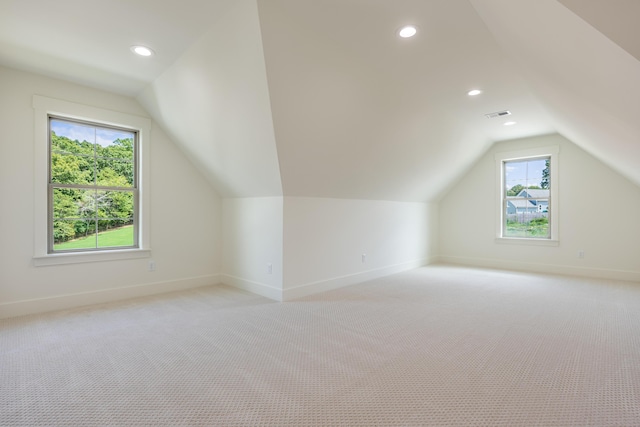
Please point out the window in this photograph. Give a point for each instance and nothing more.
(526, 198)
(527, 201)
(91, 191)
(93, 186)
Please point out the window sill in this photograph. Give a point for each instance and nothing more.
(524, 241)
(96, 256)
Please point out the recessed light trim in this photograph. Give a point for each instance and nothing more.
(141, 50)
(474, 92)
(407, 31)
(509, 123)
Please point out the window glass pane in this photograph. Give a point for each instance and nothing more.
(113, 205)
(81, 234)
(77, 212)
(74, 234)
(526, 201)
(71, 203)
(514, 187)
(115, 144)
(118, 235)
(70, 137)
(71, 169)
(524, 221)
(90, 156)
(511, 171)
(534, 173)
(114, 172)
(74, 162)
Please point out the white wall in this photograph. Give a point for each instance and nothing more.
(214, 102)
(324, 240)
(252, 239)
(598, 214)
(316, 244)
(185, 213)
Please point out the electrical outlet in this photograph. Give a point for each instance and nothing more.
(269, 268)
(152, 266)
(581, 254)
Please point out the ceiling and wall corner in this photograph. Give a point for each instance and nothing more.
(214, 102)
(87, 41)
(588, 84)
(616, 19)
(361, 114)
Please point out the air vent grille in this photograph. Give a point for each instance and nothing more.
(498, 114)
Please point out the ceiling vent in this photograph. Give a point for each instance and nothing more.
(498, 114)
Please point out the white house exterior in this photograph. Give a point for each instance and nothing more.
(529, 201)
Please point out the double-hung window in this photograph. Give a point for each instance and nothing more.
(91, 191)
(527, 183)
(93, 186)
(526, 202)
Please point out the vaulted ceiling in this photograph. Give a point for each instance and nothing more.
(321, 98)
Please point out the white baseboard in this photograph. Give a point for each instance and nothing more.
(600, 273)
(63, 302)
(351, 279)
(258, 288)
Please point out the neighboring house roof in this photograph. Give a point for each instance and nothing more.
(534, 193)
(522, 203)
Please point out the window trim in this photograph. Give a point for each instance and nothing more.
(532, 153)
(45, 107)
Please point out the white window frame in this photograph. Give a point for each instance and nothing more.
(45, 107)
(552, 152)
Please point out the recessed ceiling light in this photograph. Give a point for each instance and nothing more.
(408, 31)
(510, 123)
(474, 92)
(141, 50)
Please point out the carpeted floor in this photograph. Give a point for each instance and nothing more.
(440, 345)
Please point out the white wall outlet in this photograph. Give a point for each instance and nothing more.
(364, 257)
(581, 254)
(152, 265)
(269, 268)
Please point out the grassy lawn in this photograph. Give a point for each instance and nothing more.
(534, 228)
(122, 236)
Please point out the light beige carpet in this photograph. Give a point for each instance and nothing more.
(441, 346)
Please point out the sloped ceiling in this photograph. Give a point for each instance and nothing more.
(588, 84)
(361, 113)
(214, 102)
(616, 19)
(320, 98)
(87, 41)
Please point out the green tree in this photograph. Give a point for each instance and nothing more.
(73, 162)
(64, 206)
(63, 231)
(70, 169)
(114, 206)
(119, 149)
(545, 175)
(64, 145)
(515, 190)
(118, 156)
